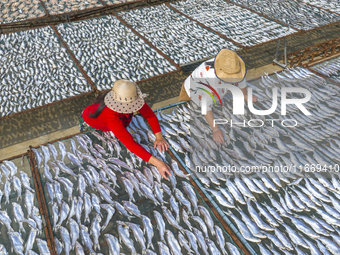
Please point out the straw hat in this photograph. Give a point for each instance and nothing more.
(229, 66)
(125, 97)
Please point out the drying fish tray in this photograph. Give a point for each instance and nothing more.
(280, 190)
(332, 77)
(300, 9)
(175, 35)
(331, 6)
(146, 206)
(22, 163)
(221, 16)
(105, 65)
(17, 11)
(246, 248)
(51, 84)
(63, 7)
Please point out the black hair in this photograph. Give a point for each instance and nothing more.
(210, 64)
(98, 100)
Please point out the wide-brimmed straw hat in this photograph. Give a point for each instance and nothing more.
(229, 66)
(125, 97)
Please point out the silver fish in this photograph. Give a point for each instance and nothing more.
(170, 218)
(29, 201)
(110, 212)
(183, 242)
(18, 216)
(148, 229)
(65, 237)
(124, 236)
(304, 228)
(160, 224)
(128, 188)
(17, 186)
(202, 225)
(243, 229)
(174, 207)
(177, 171)
(95, 231)
(221, 199)
(122, 210)
(147, 192)
(87, 207)
(138, 234)
(64, 211)
(66, 169)
(185, 218)
(175, 248)
(180, 197)
(192, 240)
(17, 242)
(86, 238)
(25, 180)
(188, 189)
(234, 191)
(79, 249)
(163, 249)
(58, 246)
(37, 218)
(220, 239)
(79, 209)
(212, 247)
(233, 250)
(131, 208)
(113, 244)
(62, 149)
(201, 241)
(254, 229)
(7, 188)
(74, 231)
(42, 246)
(68, 185)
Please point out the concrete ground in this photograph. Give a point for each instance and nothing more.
(56, 121)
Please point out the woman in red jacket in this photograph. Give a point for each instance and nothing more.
(114, 110)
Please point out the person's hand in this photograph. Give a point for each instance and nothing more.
(245, 93)
(161, 144)
(254, 98)
(218, 136)
(164, 170)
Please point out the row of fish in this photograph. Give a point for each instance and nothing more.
(109, 51)
(87, 214)
(292, 12)
(330, 68)
(64, 6)
(36, 70)
(18, 10)
(241, 25)
(19, 215)
(112, 2)
(333, 6)
(178, 37)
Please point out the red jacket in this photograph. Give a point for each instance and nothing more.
(110, 120)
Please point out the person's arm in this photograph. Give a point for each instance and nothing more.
(217, 133)
(151, 118)
(243, 86)
(126, 138)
